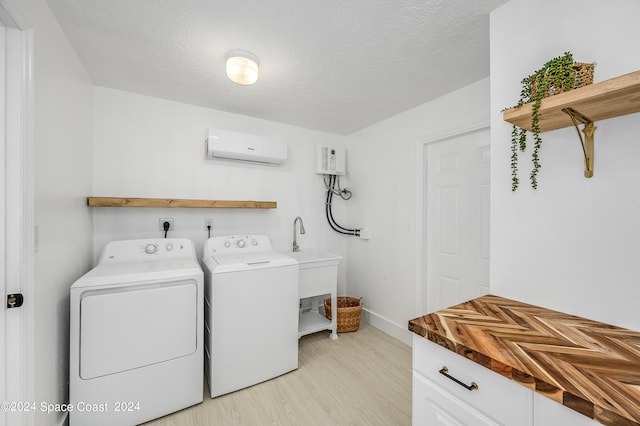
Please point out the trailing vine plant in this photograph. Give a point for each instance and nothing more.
(557, 75)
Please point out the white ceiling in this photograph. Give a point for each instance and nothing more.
(331, 65)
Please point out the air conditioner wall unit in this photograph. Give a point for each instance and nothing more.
(232, 145)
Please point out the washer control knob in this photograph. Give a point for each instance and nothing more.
(227, 244)
(241, 243)
(150, 248)
(254, 242)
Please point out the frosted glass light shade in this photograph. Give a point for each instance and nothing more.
(242, 67)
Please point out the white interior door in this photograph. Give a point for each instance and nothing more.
(3, 280)
(16, 215)
(457, 229)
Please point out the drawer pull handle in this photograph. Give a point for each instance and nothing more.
(444, 371)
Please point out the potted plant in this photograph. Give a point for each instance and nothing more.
(558, 75)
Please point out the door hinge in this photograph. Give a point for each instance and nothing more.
(14, 300)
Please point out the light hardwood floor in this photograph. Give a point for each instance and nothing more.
(362, 378)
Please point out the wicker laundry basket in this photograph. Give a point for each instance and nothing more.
(349, 310)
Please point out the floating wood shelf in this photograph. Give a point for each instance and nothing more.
(608, 99)
(178, 203)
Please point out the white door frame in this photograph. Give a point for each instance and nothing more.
(420, 298)
(19, 220)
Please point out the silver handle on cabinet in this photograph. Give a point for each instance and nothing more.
(444, 371)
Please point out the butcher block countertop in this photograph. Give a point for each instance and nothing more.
(588, 366)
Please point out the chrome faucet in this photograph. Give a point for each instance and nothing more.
(295, 243)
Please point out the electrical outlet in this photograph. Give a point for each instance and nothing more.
(208, 224)
(161, 222)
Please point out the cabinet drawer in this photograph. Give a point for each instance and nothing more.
(434, 407)
(497, 397)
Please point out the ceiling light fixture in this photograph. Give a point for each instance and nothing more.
(242, 67)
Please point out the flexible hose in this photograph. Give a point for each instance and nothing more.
(332, 222)
(345, 194)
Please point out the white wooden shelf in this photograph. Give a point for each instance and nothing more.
(312, 322)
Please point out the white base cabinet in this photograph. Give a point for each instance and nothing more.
(440, 401)
(549, 413)
(434, 406)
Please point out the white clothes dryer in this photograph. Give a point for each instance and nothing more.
(136, 333)
(251, 312)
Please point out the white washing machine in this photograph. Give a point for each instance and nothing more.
(136, 333)
(251, 312)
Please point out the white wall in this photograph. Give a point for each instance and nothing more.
(574, 243)
(384, 168)
(62, 138)
(149, 147)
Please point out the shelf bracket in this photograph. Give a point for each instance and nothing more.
(587, 144)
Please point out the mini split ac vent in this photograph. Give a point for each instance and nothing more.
(231, 145)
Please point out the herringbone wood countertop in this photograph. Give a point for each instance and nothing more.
(588, 366)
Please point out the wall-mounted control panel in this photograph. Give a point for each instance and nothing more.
(330, 160)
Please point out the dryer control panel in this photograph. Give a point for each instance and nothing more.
(148, 249)
(237, 244)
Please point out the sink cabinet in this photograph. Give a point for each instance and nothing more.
(318, 276)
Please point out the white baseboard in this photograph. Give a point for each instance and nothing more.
(398, 331)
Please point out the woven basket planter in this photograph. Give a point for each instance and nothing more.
(349, 310)
(583, 76)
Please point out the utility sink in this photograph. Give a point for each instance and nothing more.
(314, 258)
(317, 276)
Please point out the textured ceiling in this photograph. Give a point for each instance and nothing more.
(331, 65)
